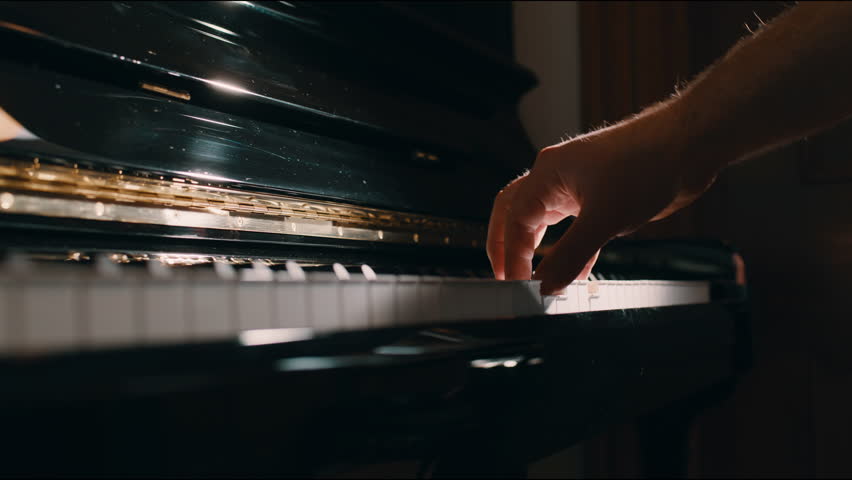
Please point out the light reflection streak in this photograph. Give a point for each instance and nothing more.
(207, 176)
(211, 121)
(214, 27)
(507, 362)
(228, 86)
(217, 37)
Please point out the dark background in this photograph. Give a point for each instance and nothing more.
(787, 212)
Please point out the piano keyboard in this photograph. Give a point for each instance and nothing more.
(69, 308)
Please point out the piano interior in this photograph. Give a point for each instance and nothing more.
(247, 238)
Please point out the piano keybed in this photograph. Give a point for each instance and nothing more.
(67, 307)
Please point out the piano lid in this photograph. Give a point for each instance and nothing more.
(403, 106)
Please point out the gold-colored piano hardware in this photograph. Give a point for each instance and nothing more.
(165, 91)
(38, 188)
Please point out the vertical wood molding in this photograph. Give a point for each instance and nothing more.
(632, 54)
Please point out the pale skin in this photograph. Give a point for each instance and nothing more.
(790, 79)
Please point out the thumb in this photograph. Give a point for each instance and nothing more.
(573, 254)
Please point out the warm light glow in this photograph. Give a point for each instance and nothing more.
(228, 86)
(268, 336)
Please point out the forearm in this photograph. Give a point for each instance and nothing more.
(791, 79)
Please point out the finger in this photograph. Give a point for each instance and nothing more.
(539, 235)
(523, 223)
(575, 252)
(496, 227)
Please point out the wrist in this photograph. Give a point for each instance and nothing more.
(670, 137)
(706, 140)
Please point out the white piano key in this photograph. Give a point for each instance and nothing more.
(452, 301)
(571, 304)
(699, 292)
(582, 289)
(164, 310)
(503, 292)
(111, 312)
(213, 307)
(621, 294)
(4, 316)
(382, 303)
(605, 295)
(356, 306)
(645, 294)
(672, 293)
(259, 272)
(459, 300)
(615, 300)
(206, 306)
(685, 293)
(634, 297)
(106, 268)
(484, 301)
(225, 271)
(16, 311)
(608, 294)
(658, 294)
(594, 290)
(407, 301)
(429, 298)
(325, 305)
(49, 319)
(526, 298)
(255, 305)
(553, 304)
(291, 303)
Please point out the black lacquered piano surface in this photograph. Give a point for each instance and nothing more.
(159, 146)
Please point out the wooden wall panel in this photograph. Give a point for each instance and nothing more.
(788, 212)
(632, 55)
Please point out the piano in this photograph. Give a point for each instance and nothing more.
(247, 238)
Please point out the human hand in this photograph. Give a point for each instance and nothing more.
(613, 180)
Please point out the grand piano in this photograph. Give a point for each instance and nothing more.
(247, 238)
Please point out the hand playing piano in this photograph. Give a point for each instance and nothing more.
(788, 80)
(613, 180)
